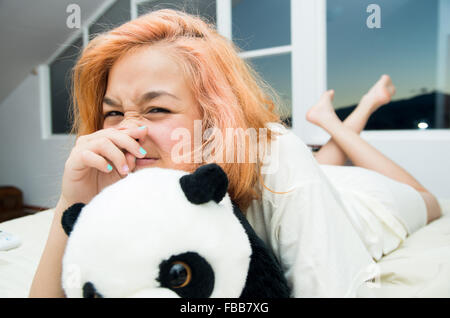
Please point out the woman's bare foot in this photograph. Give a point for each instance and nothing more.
(380, 93)
(323, 111)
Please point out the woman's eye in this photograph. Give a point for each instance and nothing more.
(113, 113)
(158, 110)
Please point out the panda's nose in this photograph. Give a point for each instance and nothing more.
(89, 291)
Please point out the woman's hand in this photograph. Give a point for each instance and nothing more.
(98, 160)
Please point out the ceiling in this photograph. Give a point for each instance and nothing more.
(30, 32)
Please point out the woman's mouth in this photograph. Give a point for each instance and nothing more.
(146, 161)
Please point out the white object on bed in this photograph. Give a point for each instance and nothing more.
(17, 266)
(420, 267)
(8, 241)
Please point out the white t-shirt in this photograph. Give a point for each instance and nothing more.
(308, 228)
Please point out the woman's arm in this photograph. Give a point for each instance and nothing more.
(47, 279)
(85, 169)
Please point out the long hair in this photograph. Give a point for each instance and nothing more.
(230, 93)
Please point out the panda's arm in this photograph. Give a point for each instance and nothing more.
(47, 279)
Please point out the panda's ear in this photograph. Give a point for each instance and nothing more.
(208, 182)
(70, 216)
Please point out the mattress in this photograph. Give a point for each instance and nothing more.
(420, 267)
(17, 266)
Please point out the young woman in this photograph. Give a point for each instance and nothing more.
(137, 84)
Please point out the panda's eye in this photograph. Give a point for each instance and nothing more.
(180, 275)
(187, 274)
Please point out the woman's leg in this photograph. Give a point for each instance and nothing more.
(362, 154)
(379, 94)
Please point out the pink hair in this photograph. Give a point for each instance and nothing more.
(228, 90)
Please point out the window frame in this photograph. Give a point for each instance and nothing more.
(44, 74)
(308, 69)
(45, 88)
(318, 136)
(308, 29)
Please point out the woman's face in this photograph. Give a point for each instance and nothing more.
(146, 87)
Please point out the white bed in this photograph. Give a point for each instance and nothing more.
(420, 267)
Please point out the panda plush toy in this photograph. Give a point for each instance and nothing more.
(166, 233)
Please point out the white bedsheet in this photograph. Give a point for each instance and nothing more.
(17, 266)
(420, 267)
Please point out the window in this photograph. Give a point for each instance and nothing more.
(60, 68)
(204, 8)
(260, 24)
(276, 70)
(116, 15)
(60, 86)
(262, 30)
(410, 45)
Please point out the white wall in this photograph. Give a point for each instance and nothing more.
(26, 160)
(426, 160)
(424, 154)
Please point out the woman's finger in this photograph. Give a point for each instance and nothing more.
(125, 140)
(131, 160)
(108, 150)
(137, 133)
(91, 159)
